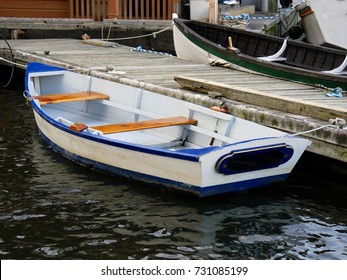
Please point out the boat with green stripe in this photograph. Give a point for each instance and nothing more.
(292, 60)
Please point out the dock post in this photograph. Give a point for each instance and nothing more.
(213, 11)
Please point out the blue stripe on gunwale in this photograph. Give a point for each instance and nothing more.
(134, 147)
(34, 67)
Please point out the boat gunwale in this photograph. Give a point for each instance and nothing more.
(190, 154)
(183, 22)
(119, 143)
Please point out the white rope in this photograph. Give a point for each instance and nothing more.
(13, 63)
(312, 130)
(333, 123)
(154, 34)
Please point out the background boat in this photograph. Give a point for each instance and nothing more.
(284, 58)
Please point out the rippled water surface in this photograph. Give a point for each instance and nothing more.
(51, 208)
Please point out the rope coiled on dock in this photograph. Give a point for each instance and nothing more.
(140, 49)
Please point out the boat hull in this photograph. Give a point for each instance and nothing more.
(214, 153)
(174, 173)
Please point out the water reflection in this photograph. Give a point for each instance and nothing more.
(51, 208)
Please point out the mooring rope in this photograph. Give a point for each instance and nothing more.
(332, 92)
(154, 34)
(333, 123)
(11, 62)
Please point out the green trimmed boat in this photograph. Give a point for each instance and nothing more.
(203, 42)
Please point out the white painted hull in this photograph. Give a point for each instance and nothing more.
(182, 168)
(187, 50)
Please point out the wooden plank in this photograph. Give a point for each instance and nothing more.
(156, 123)
(34, 4)
(87, 14)
(104, 16)
(70, 97)
(136, 9)
(93, 15)
(142, 7)
(130, 12)
(113, 11)
(77, 9)
(158, 11)
(255, 97)
(125, 9)
(31, 13)
(83, 12)
(71, 9)
(147, 9)
(97, 16)
(153, 10)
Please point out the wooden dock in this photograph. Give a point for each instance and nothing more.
(280, 104)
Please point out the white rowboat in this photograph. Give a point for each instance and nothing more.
(132, 132)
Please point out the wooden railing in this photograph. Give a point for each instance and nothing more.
(123, 9)
(95, 9)
(142, 9)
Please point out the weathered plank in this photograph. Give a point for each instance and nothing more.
(251, 96)
(155, 123)
(70, 97)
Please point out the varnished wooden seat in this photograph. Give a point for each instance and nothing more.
(70, 97)
(155, 123)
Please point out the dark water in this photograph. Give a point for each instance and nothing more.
(51, 208)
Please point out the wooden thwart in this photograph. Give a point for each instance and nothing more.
(155, 123)
(70, 97)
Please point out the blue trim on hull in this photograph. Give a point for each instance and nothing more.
(134, 147)
(242, 186)
(174, 185)
(34, 67)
